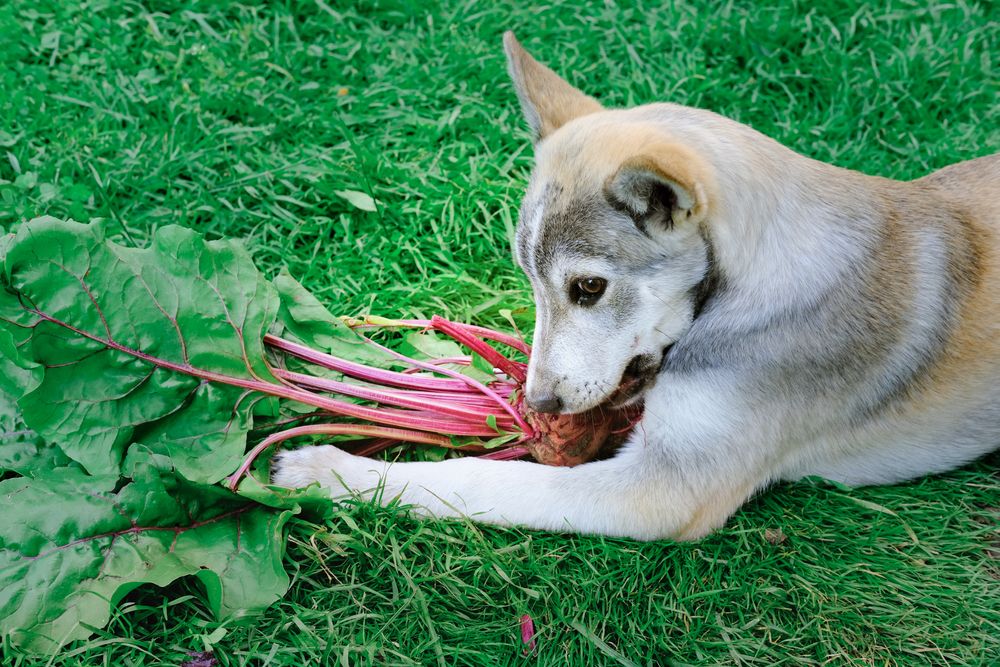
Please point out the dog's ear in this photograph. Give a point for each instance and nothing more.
(662, 189)
(547, 100)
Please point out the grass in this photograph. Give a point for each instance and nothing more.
(246, 119)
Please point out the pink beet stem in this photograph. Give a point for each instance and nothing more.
(458, 361)
(395, 434)
(422, 420)
(483, 349)
(506, 454)
(411, 421)
(360, 371)
(482, 332)
(469, 399)
(527, 634)
(402, 418)
(507, 407)
(504, 426)
(400, 399)
(497, 336)
(379, 444)
(374, 446)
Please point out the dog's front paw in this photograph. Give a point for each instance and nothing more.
(331, 467)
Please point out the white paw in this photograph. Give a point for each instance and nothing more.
(332, 468)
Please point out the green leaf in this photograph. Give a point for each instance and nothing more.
(484, 367)
(72, 546)
(130, 381)
(210, 447)
(432, 453)
(358, 199)
(21, 450)
(475, 371)
(500, 440)
(182, 303)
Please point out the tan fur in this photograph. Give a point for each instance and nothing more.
(679, 166)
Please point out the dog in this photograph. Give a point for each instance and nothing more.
(777, 316)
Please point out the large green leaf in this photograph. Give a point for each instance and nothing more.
(206, 448)
(117, 328)
(71, 547)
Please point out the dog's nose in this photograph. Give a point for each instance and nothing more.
(545, 403)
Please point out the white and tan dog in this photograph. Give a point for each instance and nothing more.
(780, 317)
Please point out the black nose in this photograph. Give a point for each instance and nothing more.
(550, 403)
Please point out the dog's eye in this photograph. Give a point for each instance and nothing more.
(592, 286)
(587, 291)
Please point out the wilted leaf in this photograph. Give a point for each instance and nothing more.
(431, 345)
(358, 199)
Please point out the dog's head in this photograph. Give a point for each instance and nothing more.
(611, 236)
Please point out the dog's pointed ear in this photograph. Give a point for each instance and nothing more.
(547, 100)
(665, 188)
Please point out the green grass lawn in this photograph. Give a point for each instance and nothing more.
(244, 120)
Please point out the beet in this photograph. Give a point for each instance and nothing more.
(569, 440)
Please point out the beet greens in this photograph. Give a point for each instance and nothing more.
(150, 382)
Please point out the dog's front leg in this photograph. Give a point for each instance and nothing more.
(638, 493)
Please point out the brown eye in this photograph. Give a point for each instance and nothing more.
(587, 291)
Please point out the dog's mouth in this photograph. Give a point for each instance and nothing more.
(637, 377)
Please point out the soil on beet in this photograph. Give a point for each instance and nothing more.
(569, 440)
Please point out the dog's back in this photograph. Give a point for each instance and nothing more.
(953, 414)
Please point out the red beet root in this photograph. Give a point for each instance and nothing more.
(569, 440)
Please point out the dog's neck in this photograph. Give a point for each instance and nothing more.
(782, 237)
